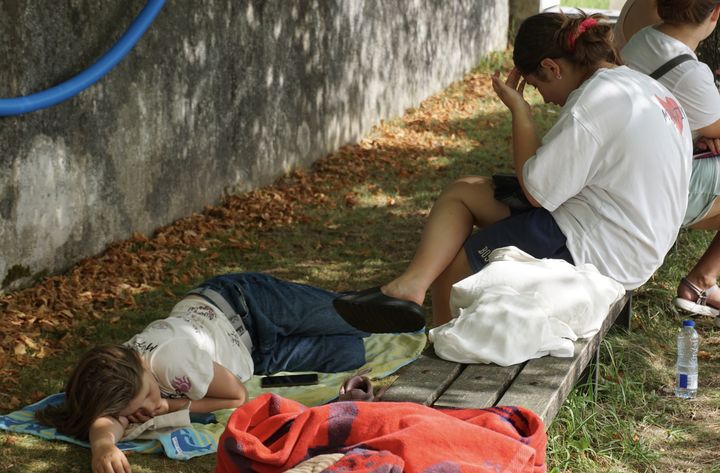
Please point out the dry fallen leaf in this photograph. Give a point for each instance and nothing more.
(96, 288)
(704, 355)
(29, 342)
(20, 349)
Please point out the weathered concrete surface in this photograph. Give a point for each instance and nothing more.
(521, 9)
(219, 96)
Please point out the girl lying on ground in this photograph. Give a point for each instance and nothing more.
(685, 23)
(215, 338)
(607, 185)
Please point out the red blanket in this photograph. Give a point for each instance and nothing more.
(273, 434)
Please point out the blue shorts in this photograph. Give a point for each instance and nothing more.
(534, 231)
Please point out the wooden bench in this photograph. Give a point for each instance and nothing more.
(541, 385)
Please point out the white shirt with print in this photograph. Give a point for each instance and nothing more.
(614, 172)
(180, 350)
(692, 82)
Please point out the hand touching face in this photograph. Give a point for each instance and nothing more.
(148, 403)
(510, 91)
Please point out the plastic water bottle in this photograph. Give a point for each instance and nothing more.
(686, 368)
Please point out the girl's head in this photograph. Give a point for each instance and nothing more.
(103, 383)
(548, 45)
(693, 12)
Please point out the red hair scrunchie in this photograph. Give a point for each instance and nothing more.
(585, 25)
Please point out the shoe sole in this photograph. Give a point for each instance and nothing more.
(695, 308)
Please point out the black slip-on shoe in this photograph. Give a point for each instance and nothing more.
(373, 312)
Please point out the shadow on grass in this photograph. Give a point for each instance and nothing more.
(636, 423)
(364, 233)
(361, 235)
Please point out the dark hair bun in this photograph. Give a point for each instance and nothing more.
(685, 11)
(585, 40)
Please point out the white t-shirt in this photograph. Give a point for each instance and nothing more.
(180, 350)
(614, 172)
(692, 82)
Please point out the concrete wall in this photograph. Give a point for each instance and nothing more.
(219, 96)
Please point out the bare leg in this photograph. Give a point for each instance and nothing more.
(440, 290)
(705, 272)
(466, 202)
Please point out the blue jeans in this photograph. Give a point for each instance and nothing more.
(294, 327)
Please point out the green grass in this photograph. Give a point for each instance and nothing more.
(600, 4)
(634, 423)
(364, 232)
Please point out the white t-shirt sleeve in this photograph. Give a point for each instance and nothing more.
(699, 96)
(181, 369)
(561, 167)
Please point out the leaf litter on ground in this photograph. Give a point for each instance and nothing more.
(461, 124)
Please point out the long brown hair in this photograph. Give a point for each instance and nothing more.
(691, 12)
(102, 383)
(584, 40)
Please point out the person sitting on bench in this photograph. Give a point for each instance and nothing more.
(607, 185)
(215, 338)
(666, 51)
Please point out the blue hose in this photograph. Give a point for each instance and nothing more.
(71, 87)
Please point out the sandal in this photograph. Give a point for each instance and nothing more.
(700, 306)
(359, 388)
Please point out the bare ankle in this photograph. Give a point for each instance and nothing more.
(401, 290)
(703, 281)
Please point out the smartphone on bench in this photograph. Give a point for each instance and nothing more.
(289, 380)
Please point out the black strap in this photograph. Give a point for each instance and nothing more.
(667, 67)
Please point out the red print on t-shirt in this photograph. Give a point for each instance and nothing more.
(673, 110)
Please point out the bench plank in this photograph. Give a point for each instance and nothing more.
(424, 380)
(541, 385)
(479, 386)
(544, 383)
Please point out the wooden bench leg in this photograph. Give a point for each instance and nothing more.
(624, 318)
(590, 379)
(595, 367)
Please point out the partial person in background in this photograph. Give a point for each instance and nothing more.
(667, 51)
(634, 16)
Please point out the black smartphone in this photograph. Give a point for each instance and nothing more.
(203, 418)
(289, 380)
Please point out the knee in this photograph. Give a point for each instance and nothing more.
(475, 180)
(471, 187)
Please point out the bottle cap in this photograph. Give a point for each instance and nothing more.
(688, 323)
